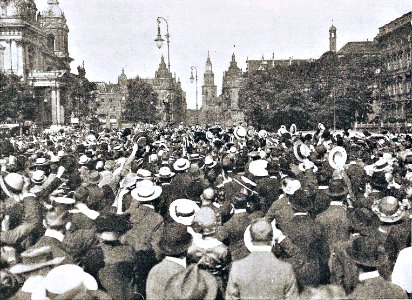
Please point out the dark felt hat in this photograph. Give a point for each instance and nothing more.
(111, 222)
(363, 220)
(337, 188)
(175, 240)
(367, 251)
(302, 200)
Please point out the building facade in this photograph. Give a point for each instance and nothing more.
(172, 99)
(34, 45)
(110, 101)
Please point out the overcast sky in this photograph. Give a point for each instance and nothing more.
(113, 34)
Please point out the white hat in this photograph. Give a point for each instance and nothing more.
(181, 164)
(146, 191)
(209, 162)
(337, 157)
(54, 159)
(63, 200)
(38, 177)
(41, 161)
(165, 172)
(65, 278)
(84, 159)
(239, 132)
(263, 134)
(258, 168)
(143, 173)
(12, 183)
(301, 150)
(290, 186)
(183, 211)
(232, 150)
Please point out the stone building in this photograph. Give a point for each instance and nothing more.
(232, 82)
(34, 45)
(110, 101)
(172, 98)
(395, 43)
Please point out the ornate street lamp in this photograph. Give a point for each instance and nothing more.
(159, 42)
(191, 80)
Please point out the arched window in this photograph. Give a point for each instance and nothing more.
(50, 41)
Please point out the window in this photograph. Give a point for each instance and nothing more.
(50, 41)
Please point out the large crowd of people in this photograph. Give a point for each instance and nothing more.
(205, 212)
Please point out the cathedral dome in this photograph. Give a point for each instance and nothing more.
(53, 9)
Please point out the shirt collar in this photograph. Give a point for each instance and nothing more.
(239, 211)
(336, 203)
(255, 248)
(301, 214)
(54, 234)
(149, 205)
(179, 261)
(368, 275)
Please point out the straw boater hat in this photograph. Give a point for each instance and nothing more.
(12, 184)
(38, 177)
(41, 161)
(388, 209)
(258, 168)
(94, 177)
(183, 211)
(382, 165)
(181, 164)
(290, 186)
(165, 172)
(301, 151)
(337, 157)
(239, 132)
(146, 191)
(84, 159)
(209, 162)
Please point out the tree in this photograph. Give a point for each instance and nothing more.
(141, 102)
(18, 99)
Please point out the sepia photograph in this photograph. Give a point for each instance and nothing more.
(215, 149)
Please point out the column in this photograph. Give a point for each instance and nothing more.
(58, 107)
(54, 107)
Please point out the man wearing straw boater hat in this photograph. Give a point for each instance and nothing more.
(146, 223)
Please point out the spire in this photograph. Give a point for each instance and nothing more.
(209, 68)
(233, 57)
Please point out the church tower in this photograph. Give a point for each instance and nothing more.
(332, 39)
(53, 23)
(209, 89)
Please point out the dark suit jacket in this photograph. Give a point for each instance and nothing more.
(336, 224)
(146, 229)
(307, 234)
(261, 275)
(232, 232)
(280, 210)
(57, 248)
(377, 288)
(158, 277)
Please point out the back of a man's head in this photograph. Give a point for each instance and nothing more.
(261, 232)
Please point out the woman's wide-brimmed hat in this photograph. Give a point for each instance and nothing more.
(239, 132)
(388, 209)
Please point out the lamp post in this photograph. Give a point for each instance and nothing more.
(191, 80)
(159, 42)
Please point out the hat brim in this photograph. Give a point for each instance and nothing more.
(181, 168)
(183, 202)
(155, 195)
(296, 151)
(25, 268)
(168, 176)
(395, 217)
(332, 154)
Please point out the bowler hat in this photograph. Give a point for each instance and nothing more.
(302, 200)
(111, 222)
(175, 240)
(363, 220)
(337, 188)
